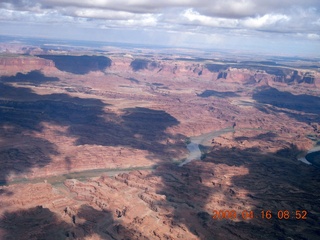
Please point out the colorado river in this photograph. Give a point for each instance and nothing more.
(312, 156)
(204, 140)
(194, 154)
(81, 176)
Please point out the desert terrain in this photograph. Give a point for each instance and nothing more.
(95, 144)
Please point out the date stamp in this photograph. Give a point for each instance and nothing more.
(264, 214)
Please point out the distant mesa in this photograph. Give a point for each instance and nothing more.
(285, 75)
(141, 64)
(279, 73)
(36, 77)
(79, 64)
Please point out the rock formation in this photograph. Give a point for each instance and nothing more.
(91, 151)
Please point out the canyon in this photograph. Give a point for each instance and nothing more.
(92, 145)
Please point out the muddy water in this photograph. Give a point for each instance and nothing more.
(194, 154)
(313, 156)
(204, 140)
(81, 176)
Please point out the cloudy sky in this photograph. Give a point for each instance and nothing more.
(270, 26)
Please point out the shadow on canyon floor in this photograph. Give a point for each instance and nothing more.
(209, 93)
(263, 136)
(232, 178)
(33, 223)
(304, 108)
(36, 77)
(40, 223)
(19, 156)
(23, 112)
(270, 182)
(227, 178)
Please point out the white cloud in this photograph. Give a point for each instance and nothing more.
(191, 16)
(217, 8)
(101, 13)
(266, 20)
(313, 36)
(146, 20)
(208, 20)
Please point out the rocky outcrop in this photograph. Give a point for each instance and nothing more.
(137, 115)
(233, 73)
(172, 202)
(12, 64)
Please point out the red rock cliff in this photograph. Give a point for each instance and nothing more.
(11, 65)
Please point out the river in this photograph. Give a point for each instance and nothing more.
(81, 176)
(204, 140)
(312, 157)
(194, 154)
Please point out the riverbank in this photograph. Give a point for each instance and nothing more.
(81, 176)
(194, 145)
(312, 156)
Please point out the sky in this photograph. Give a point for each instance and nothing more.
(284, 27)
